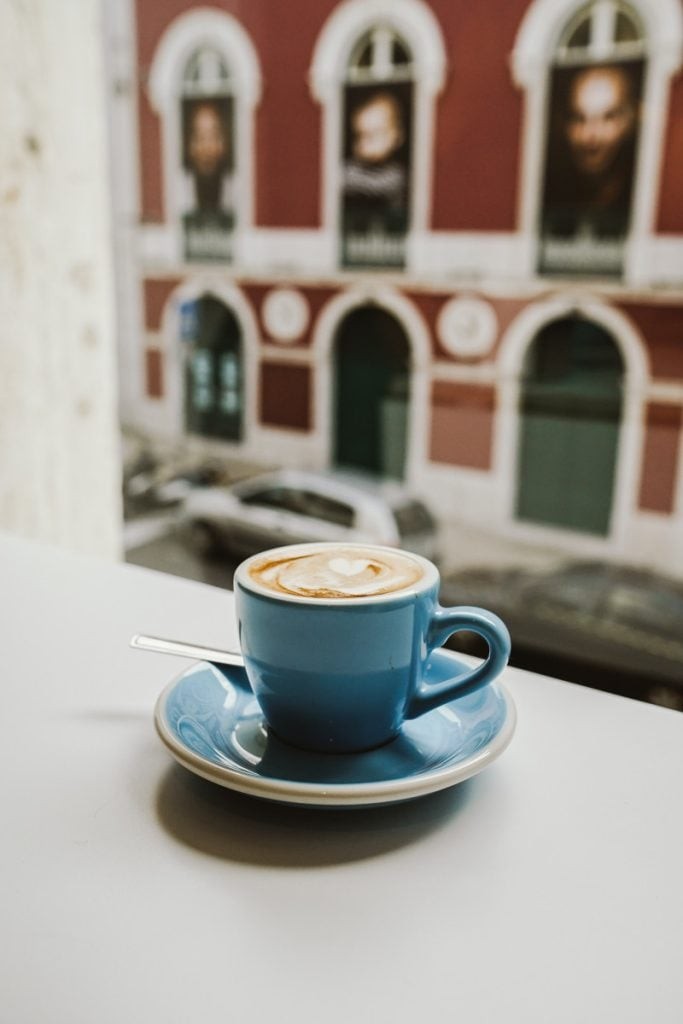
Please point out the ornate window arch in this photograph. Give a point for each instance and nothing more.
(386, 54)
(561, 45)
(204, 84)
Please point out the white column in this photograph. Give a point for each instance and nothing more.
(59, 438)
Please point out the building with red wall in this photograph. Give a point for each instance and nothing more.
(493, 310)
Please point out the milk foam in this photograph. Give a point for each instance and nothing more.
(337, 572)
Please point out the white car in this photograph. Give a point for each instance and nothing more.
(294, 506)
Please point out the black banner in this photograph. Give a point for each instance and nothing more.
(594, 121)
(376, 174)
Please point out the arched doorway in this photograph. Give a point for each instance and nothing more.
(371, 392)
(214, 372)
(570, 415)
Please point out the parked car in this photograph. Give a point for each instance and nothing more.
(292, 506)
(608, 626)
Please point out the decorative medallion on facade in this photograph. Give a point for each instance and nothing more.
(467, 328)
(286, 315)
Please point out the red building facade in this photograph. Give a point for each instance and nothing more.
(491, 307)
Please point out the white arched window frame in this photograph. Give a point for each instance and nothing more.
(538, 46)
(217, 33)
(333, 59)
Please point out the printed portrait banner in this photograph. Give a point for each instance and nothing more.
(593, 129)
(207, 162)
(376, 174)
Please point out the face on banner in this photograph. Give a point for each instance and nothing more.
(207, 160)
(376, 174)
(590, 166)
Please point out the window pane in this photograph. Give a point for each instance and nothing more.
(399, 54)
(272, 498)
(578, 38)
(363, 56)
(626, 29)
(319, 506)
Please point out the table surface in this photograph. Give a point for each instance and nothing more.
(546, 889)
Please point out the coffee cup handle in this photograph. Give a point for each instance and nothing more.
(445, 622)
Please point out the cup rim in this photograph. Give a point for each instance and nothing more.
(429, 579)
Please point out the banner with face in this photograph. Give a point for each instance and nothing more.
(207, 160)
(594, 120)
(376, 171)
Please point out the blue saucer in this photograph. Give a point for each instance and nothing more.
(211, 723)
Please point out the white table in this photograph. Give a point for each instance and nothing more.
(547, 889)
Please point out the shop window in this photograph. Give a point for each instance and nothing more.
(593, 121)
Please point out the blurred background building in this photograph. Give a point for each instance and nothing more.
(434, 241)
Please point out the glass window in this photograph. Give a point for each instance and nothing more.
(594, 103)
(207, 122)
(214, 385)
(376, 151)
(274, 497)
(319, 506)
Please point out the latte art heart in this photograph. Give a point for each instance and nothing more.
(342, 572)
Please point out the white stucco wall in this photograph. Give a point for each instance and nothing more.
(59, 438)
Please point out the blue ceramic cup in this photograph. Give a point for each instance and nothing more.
(341, 674)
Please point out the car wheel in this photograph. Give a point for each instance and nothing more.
(202, 538)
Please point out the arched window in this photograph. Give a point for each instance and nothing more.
(593, 127)
(377, 128)
(596, 77)
(208, 157)
(376, 69)
(214, 372)
(204, 83)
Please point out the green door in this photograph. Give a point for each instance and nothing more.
(570, 416)
(372, 383)
(213, 375)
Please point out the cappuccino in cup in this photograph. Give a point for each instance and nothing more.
(336, 640)
(337, 573)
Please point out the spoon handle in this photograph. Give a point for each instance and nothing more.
(161, 646)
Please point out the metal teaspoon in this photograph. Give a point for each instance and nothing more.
(185, 650)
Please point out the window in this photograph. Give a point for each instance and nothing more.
(593, 126)
(319, 506)
(204, 83)
(213, 369)
(377, 67)
(303, 503)
(377, 130)
(274, 497)
(207, 119)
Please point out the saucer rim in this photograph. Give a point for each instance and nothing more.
(335, 794)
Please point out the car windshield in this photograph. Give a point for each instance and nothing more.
(303, 502)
